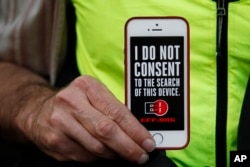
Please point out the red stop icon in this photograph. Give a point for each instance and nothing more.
(160, 107)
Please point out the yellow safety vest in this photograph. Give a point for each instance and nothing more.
(100, 53)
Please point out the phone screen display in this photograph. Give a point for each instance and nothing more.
(157, 81)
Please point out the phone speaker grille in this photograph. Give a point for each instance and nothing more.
(157, 29)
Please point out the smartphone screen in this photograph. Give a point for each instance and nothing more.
(157, 77)
(157, 81)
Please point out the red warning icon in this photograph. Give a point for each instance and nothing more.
(160, 107)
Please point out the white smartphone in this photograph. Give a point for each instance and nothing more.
(157, 77)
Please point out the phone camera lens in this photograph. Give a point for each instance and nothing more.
(148, 29)
(156, 24)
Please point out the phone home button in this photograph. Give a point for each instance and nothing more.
(158, 138)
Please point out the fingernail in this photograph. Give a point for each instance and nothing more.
(143, 159)
(148, 145)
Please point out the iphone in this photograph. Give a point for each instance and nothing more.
(157, 77)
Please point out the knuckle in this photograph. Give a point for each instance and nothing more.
(83, 81)
(61, 96)
(129, 152)
(114, 112)
(105, 128)
(98, 149)
(56, 119)
(53, 141)
(64, 97)
(88, 84)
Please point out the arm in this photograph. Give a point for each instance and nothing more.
(19, 89)
(81, 122)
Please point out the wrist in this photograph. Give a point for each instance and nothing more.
(33, 100)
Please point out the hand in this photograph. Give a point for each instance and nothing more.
(85, 121)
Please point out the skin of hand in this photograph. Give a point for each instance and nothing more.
(80, 122)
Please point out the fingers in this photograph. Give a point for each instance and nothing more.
(119, 141)
(64, 149)
(51, 135)
(103, 134)
(111, 122)
(96, 124)
(62, 119)
(100, 97)
(107, 131)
